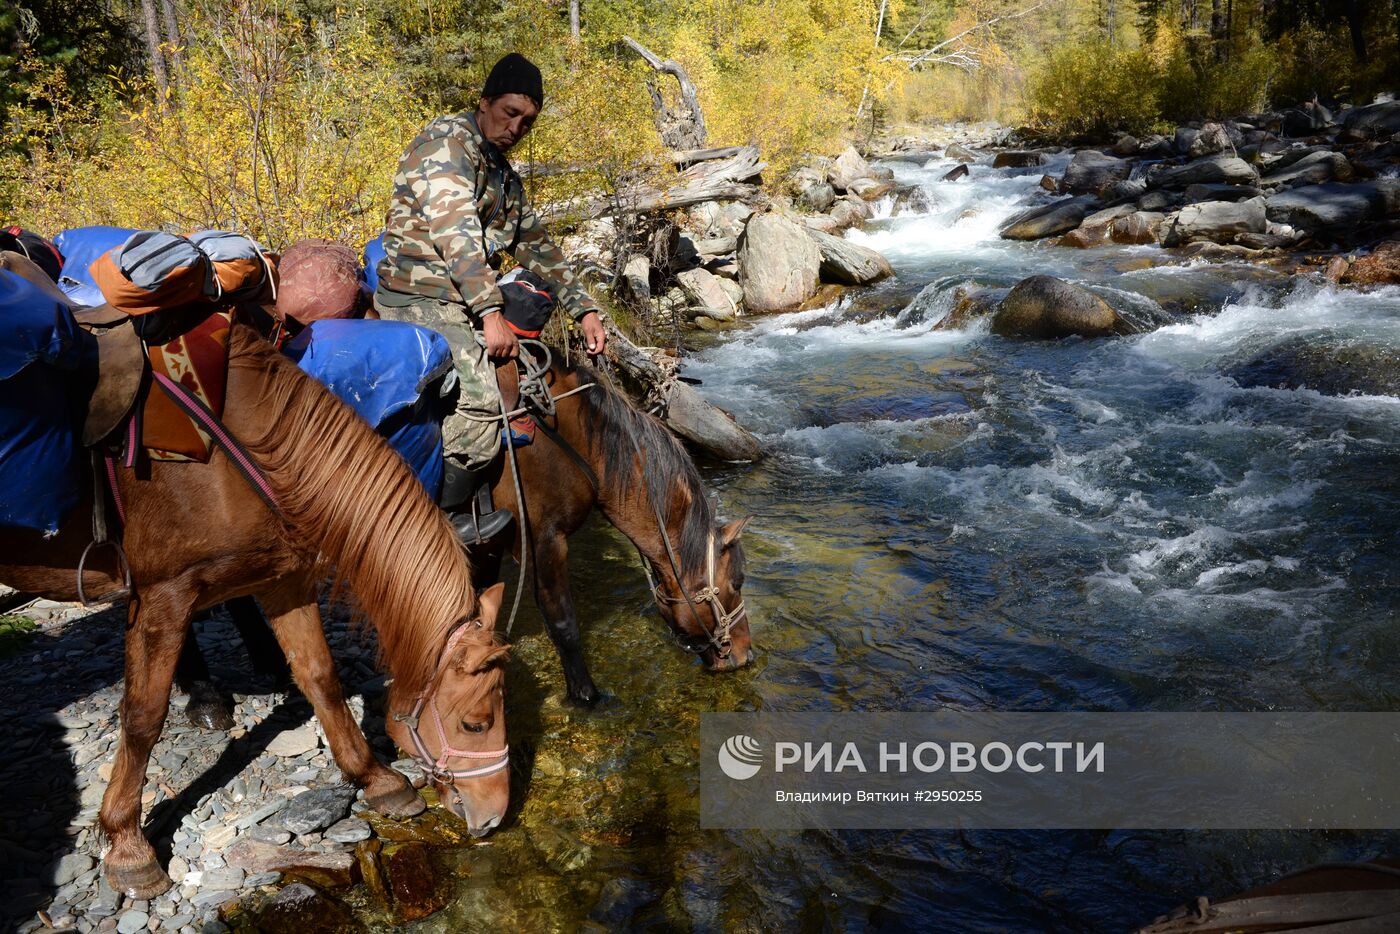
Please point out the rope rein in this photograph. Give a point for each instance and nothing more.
(537, 400)
(718, 637)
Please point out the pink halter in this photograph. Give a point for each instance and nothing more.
(438, 770)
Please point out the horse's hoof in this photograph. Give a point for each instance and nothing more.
(210, 715)
(401, 802)
(586, 696)
(145, 881)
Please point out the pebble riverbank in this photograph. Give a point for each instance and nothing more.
(229, 813)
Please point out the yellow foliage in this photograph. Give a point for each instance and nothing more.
(286, 129)
(269, 133)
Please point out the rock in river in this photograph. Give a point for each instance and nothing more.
(1217, 221)
(1380, 267)
(848, 167)
(778, 264)
(1046, 307)
(1219, 168)
(849, 263)
(1092, 172)
(1312, 169)
(1332, 207)
(1049, 219)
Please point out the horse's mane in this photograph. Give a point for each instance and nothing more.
(667, 470)
(343, 490)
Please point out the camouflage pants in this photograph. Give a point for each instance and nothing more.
(471, 443)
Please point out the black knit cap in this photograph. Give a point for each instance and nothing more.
(515, 74)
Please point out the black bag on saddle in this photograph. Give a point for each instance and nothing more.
(38, 249)
(529, 302)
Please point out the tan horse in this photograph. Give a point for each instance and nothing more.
(197, 535)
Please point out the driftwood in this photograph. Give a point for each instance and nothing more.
(688, 157)
(681, 127)
(729, 179)
(707, 427)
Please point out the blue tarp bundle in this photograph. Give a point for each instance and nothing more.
(374, 252)
(384, 370)
(47, 364)
(81, 247)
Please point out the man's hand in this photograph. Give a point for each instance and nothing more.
(500, 339)
(595, 338)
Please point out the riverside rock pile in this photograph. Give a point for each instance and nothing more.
(230, 813)
(720, 259)
(1302, 179)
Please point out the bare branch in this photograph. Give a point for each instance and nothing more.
(959, 57)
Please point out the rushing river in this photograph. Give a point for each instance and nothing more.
(952, 519)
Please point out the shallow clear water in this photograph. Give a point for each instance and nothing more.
(950, 518)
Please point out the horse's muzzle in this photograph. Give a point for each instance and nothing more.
(737, 658)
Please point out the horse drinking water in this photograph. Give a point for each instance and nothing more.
(197, 534)
(595, 448)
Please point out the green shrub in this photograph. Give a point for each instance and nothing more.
(1091, 89)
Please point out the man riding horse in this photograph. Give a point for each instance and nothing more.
(457, 206)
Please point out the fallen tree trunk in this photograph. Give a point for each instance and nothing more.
(725, 179)
(680, 407)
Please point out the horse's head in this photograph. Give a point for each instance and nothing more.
(708, 616)
(457, 728)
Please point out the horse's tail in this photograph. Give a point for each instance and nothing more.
(345, 492)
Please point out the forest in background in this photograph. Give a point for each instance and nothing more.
(286, 118)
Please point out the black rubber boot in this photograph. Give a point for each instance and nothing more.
(466, 498)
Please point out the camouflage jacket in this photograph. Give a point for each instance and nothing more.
(457, 206)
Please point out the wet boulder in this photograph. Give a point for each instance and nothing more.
(705, 294)
(811, 191)
(1047, 220)
(957, 172)
(1307, 119)
(1331, 207)
(848, 263)
(1139, 227)
(1329, 368)
(1380, 267)
(1195, 193)
(1213, 138)
(1094, 230)
(912, 199)
(712, 429)
(967, 305)
(848, 167)
(870, 189)
(1216, 221)
(1219, 168)
(1184, 137)
(960, 153)
(1017, 159)
(778, 264)
(1374, 120)
(1045, 307)
(1127, 145)
(1092, 172)
(849, 212)
(1311, 169)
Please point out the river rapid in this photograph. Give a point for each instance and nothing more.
(952, 519)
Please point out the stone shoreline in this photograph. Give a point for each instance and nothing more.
(230, 813)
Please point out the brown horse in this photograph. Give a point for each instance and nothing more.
(599, 450)
(197, 534)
